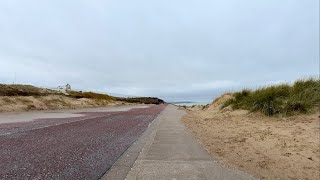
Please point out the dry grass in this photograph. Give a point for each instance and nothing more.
(26, 97)
(27, 103)
(90, 95)
(24, 90)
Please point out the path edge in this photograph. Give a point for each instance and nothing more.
(125, 162)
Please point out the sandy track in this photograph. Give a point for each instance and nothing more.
(70, 148)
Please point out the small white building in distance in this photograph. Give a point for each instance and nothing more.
(64, 89)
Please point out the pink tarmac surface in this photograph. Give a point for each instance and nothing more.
(83, 147)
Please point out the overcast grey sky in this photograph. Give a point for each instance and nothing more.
(158, 47)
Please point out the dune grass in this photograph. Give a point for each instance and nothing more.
(284, 99)
(24, 90)
(28, 90)
(11, 90)
(90, 95)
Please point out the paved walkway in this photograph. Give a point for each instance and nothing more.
(170, 152)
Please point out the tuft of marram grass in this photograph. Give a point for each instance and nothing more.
(301, 97)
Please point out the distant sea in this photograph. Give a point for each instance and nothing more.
(190, 102)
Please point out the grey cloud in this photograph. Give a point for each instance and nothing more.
(158, 48)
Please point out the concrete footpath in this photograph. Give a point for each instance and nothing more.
(168, 151)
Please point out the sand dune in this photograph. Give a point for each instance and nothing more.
(272, 148)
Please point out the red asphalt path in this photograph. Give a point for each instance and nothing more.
(70, 148)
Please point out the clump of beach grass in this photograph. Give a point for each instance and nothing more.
(283, 99)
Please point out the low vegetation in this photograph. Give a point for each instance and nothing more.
(90, 95)
(17, 97)
(270, 147)
(142, 100)
(28, 90)
(284, 99)
(24, 90)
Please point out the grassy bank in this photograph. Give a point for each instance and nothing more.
(269, 147)
(24, 90)
(90, 95)
(284, 99)
(16, 97)
(282, 142)
(26, 97)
